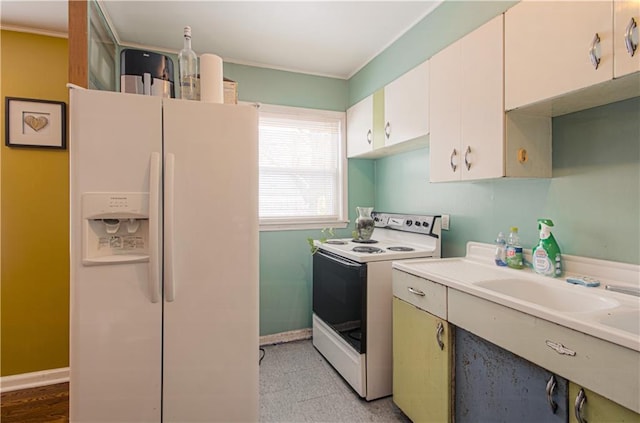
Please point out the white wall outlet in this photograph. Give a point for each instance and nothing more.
(445, 222)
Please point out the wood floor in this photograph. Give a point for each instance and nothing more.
(45, 404)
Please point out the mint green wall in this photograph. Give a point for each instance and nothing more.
(596, 172)
(285, 258)
(272, 86)
(449, 22)
(593, 197)
(285, 262)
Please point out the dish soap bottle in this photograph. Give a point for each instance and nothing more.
(514, 250)
(501, 250)
(546, 255)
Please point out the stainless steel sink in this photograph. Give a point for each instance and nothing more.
(556, 298)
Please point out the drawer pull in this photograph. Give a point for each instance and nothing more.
(551, 387)
(416, 291)
(581, 398)
(439, 332)
(559, 348)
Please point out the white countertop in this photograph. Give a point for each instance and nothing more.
(467, 274)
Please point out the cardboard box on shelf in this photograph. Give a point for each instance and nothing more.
(230, 91)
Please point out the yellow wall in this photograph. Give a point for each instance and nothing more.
(34, 217)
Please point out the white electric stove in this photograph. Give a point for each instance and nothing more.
(352, 296)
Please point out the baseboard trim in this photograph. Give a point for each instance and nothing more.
(279, 338)
(53, 376)
(34, 379)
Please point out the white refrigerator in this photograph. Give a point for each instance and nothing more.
(164, 260)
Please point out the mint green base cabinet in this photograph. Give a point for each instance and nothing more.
(422, 357)
(587, 406)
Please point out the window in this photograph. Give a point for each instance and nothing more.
(302, 168)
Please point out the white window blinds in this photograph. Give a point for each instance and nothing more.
(301, 165)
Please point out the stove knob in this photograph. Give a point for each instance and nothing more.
(409, 222)
(425, 224)
(417, 224)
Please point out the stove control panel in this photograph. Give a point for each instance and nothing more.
(421, 224)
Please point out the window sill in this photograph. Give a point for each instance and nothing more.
(296, 226)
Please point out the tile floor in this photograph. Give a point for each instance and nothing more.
(298, 385)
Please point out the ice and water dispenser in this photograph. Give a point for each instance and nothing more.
(115, 228)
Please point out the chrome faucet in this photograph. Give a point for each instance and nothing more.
(631, 290)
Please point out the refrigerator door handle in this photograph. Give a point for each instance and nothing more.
(154, 227)
(169, 286)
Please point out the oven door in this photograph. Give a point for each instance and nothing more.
(339, 296)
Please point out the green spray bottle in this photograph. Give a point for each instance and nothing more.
(546, 255)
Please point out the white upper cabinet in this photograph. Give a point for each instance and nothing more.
(360, 127)
(626, 53)
(445, 119)
(393, 119)
(406, 106)
(471, 137)
(555, 47)
(467, 109)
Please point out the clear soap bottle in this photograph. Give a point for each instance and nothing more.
(188, 66)
(514, 250)
(501, 250)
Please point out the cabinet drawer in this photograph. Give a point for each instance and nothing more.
(422, 293)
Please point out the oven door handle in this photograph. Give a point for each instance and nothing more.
(346, 263)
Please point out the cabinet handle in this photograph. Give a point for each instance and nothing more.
(581, 398)
(467, 163)
(416, 292)
(439, 332)
(628, 37)
(387, 130)
(559, 348)
(551, 387)
(453, 165)
(369, 136)
(594, 51)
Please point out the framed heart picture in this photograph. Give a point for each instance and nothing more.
(35, 123)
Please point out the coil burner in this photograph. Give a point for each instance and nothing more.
(400, 248)
(336, 242)
(371, 250)
(364, 241)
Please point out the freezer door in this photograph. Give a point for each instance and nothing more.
(211, 331)
(115, 331)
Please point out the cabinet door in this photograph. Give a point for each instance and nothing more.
(445, 104)
(547, 45)
(421, 369)
(482, 105)
(626, 19)
(494, 385)
(406, 106)
(360, 127)
(597, 409)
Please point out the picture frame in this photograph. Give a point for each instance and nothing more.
(35, 123)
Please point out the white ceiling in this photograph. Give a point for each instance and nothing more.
(330, 38)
